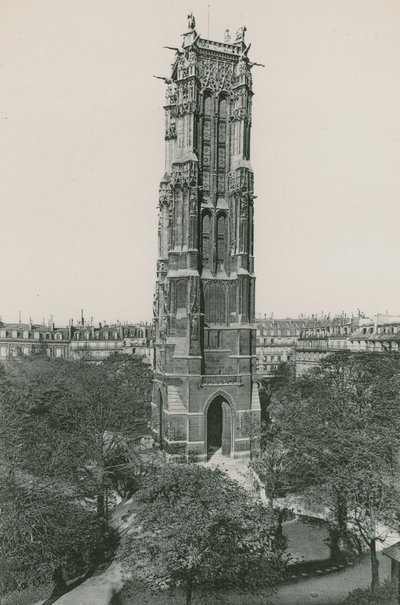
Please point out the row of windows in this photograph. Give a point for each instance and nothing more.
(356, 346)
(374, 346)
(283, 341)
(322, 332)
(310, 344)
(13, 351)
(26, 334)
(308, 356)
(277, 358)
(6, 351)
(383, 330)
(267, 367)
(104, 335)
(92, 344)
(278, 332)
(78, 335)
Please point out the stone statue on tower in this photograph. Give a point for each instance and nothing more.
(191, 21)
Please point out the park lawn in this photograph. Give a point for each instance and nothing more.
(143, 596)
(306, 540)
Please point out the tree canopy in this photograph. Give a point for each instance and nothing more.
(42, 529)
(68, 436)
(339, 426)
(86, 417)
(203, 533)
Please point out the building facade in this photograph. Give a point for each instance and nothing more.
(323, 337)
(305, 341)
(276, 343)
(356, 334)
(381, 335)
(76, 341)
(302, 341)
(205, 338)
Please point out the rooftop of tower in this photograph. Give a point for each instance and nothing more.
(223, 47)
(234, 48)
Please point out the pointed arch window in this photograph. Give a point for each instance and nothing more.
(215, 303)
(178, 218)
(214, 339)
(221, 241)
(181, 294)
(185, 217)
(232, 302)
(207, 143)
(205, 239)
(222, 136)
(179, 132)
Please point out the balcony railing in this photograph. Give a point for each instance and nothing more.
(213, 379)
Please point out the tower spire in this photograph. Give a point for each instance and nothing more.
(203, 305)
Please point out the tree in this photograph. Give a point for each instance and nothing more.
(45, 533)
(372, 493)
(108, 409)
(282, 379)
(274, 462)
(270, 467)
(87, 415)
(31, 388)
(343, 437)
(203, 533)
(68, 434)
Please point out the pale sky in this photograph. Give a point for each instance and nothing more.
(82, 152)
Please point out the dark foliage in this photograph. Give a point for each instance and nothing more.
(204, 534)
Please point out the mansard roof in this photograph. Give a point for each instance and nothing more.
(31, 327)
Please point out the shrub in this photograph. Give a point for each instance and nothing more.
(386, 594)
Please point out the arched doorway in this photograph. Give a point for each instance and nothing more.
(219, 427)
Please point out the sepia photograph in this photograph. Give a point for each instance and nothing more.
(200, 302)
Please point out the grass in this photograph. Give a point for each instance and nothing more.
(27, 596)
(134, 593)
(307, 540)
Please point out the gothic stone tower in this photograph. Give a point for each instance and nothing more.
(205, 393)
